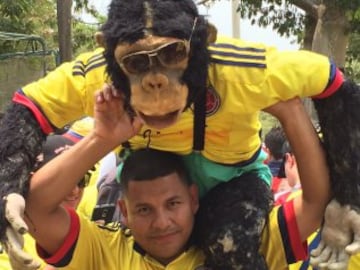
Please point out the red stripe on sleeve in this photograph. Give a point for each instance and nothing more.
(333, 87)
(69, 241)
(300, 249)
(44, 123)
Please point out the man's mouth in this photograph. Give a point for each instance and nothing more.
(160, 121)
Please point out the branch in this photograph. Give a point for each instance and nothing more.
(308, 6)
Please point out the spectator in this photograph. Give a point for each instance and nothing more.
(159, 205)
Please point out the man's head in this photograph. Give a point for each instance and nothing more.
(156, 52)
(159, 202)
(274, 142)
(54, 146)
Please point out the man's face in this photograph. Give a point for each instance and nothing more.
(160, 214)
(154, 66)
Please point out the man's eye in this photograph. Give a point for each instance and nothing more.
(143, 210)
(174, 204)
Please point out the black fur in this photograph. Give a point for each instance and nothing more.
(126, 24)
(238, 209)
(339, 118)
(20, 143)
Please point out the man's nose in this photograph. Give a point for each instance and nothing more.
(162, 220)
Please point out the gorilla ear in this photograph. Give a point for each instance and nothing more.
(99, 38)
(212, 33)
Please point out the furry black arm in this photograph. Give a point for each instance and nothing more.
(339, 117)
(21, 141)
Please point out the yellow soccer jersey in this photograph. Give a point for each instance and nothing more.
(280, 242)
(244, 78)
(112, 249)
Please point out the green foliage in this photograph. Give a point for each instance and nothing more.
(267, 122)
(36, 17)
(83, 37)
(83, 5)
(352, 67)
(284, 17)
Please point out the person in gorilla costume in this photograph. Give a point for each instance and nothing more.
(199, 96)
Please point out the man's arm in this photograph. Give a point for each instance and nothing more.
(48, 222)
(310, 157)
(60, 97)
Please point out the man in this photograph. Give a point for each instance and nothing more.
(197, 99)
(54, 145)
(159, 204)
(274, 141)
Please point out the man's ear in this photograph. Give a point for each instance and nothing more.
(194, 193)
(100, 40)
(123, 210)
(212, 33)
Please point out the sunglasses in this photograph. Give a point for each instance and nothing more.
(84, 182)
(168, 55)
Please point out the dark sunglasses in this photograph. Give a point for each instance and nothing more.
(168, 55)
(84, 182)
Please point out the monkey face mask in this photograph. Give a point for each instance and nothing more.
(154, 66)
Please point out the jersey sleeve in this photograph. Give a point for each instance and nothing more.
(67, 93)
(296, 73)
(254, 76)
(281, 243)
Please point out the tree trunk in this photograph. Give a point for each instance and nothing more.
(332, 33)
(64, 29)
(310, 26)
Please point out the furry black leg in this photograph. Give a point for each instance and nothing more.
(20, 143)
(230, 222)
(339, 117)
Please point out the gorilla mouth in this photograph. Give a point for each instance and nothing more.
(160, 121)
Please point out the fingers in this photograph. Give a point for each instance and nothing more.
(107, 93)
(338, 261)
(341, 262)
(14, 211)
(317, 251)
(322, 257)
(353, 248)
(330, 258)
(18, 258)
(22, 265)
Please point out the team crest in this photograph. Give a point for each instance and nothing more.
(212, 101)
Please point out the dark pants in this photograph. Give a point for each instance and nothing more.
(230, 222)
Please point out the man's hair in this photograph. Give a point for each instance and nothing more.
(274, 141)
(149, 164)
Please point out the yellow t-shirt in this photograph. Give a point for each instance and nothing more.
(97, 247)
(243, 78)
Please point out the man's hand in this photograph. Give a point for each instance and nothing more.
(14, 213)
(340, 237)
(112, 121)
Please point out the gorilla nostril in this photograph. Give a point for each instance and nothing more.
(156, 82)
(155, 85)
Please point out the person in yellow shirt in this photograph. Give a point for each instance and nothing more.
(159, 204)
(54, 145)
(197, 97)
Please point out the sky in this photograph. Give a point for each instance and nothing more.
(220, 15)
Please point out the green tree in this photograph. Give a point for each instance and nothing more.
(65, 22)
(330, 21)
(28, 17)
